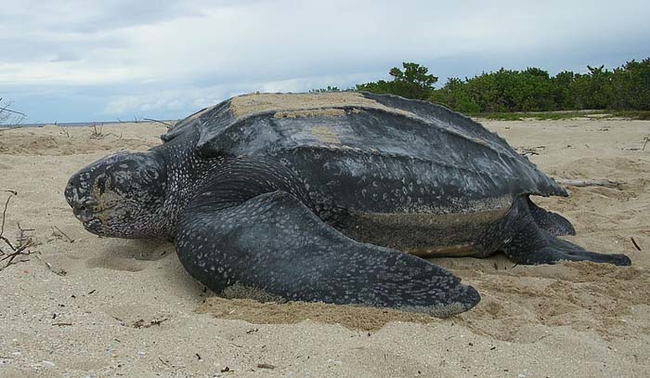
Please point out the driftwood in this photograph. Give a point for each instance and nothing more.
(169, 125)
(97, 132)
(24, 240)
(584, 183)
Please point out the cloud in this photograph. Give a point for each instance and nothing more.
(179, 101)
(168, 56)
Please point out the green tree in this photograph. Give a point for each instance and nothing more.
(595, 89)
(533, 89)
(455, 95)
(413, 82)
(631, 86)
(562, 95)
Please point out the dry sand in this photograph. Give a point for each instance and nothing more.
(86, 306)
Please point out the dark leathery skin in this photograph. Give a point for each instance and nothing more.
(285, 201)
(276, 244)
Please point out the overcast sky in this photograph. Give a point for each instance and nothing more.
(102, 60)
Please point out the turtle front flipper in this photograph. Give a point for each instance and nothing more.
(274, 244)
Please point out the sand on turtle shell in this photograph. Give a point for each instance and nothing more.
(80, 305)
(304, 104)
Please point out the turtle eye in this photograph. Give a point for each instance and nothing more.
(150, 174)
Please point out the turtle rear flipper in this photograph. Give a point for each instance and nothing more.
(274, 244)
(552, 222)
(532, 244)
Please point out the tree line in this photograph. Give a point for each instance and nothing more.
(623, 88)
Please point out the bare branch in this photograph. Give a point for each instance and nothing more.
(4, 214)
(5, 109)
(24, 241)
(65, 131)
(8, 115)
(56, 232)
(157, 121)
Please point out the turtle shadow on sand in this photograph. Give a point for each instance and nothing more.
(133, 256)
(314, 197)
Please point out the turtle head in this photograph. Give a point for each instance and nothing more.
(120, 195)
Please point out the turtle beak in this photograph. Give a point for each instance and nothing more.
(81, 203)
(83, 211)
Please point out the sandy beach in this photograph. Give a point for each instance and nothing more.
(84, 306)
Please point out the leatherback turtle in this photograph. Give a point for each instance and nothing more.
(315, 197)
